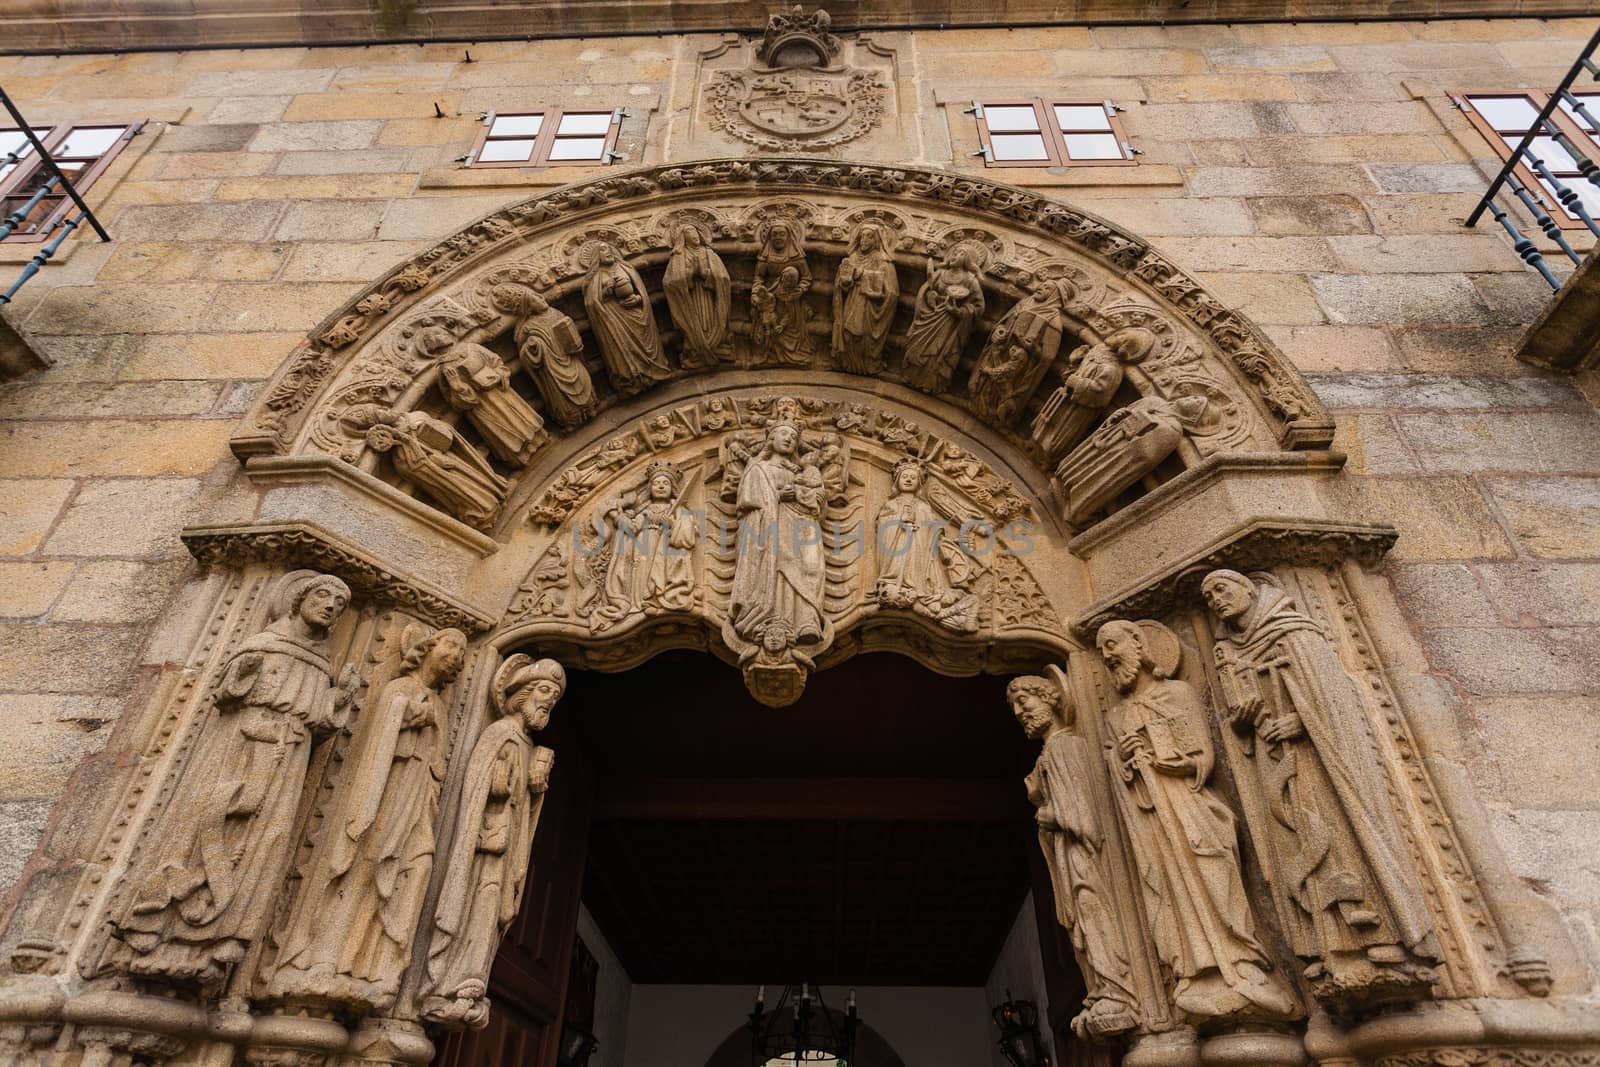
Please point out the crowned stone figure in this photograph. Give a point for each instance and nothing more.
(1316, 801)
(347, 938)
(487, 867)
(201, 891)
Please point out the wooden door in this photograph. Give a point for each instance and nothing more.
(528, 986)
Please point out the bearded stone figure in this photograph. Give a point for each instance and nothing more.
(1316, 800)
(948, 305)
(1073, 841)
(1093, 376)
(1019, 351)
(865, 295)
(1183, 835)
(777, 599)
(623, 322)
(922, 565)
(699, 295)
(651, 538)
(475, 381)
(348, 936)
(429, 454)
(501, 797)
(551, 350)
(203, 888)
(1130, 444)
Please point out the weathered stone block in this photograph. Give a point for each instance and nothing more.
(230, 83)
(376, 105)
(231, 137)
(166, 261)
(353, 262)
(1281, 57)
(1439, 517)
(35, 449)
(111, 591)
(66, 659)
(331, 221)
(1325, 349)
(1417, 56)
(1505, 441)
(28, 509)
(1279, 181)
(28, 589)
(315, 136)
(1372, 445)
(1309, 215)
(1474, 350)
(181, 165)
(1177, 216)
(1546, 748)
(254, 109)
(1435, 298)
(273, 306)
(355, 161)
(434, 216)
(1400, 116)
(1219, 87)
(322, 187)
(1424, 253)
(1551, 659)
(21, 826)
(103, 309)
(25, 400)
(1556, 518)
(43, 745)
(197, 222)
(1443, 594)
(1544, 594)
(1393, 391)
(1267, 298)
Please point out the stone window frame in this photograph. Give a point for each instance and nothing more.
(1049, 128)
(1497, 139)
(16, 185)
(547, 138)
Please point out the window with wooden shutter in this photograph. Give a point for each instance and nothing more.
(1036, 133)
(549, 138)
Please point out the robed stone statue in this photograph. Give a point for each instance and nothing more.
(623, 322)
(1072, 836)
(203, 887)
(1316, 800)
(699, 296)
(501, 797)
(865, 296)
(1182, 834)
(349, 932)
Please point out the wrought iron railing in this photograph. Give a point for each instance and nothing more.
(1524, 159)
(59, 227)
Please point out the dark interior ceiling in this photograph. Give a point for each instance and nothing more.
(874, 833)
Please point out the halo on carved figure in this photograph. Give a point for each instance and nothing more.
(1089, 292)
(1218, 423)
(892, 226)
(669, 227)
(987, 248)
(1163, 648)
(1152, 334)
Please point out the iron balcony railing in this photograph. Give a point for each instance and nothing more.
(56, 182)
(1583, 153)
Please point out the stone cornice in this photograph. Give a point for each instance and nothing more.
(136, 25)
(307, 544)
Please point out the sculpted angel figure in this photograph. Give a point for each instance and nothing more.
(1316, 801)
(948, 305)
(428, 453)
(778, 580)
(501, 797)
(1131, 443)
(647, 563)
(203, 887)
(476, 383)
(1073, 840)
(1183, 835)
(865, 293)
(1094, 373)
(777, 296)
(348, 938)
(623, 322)
(551, 350)
(1019, 351)
(699, 295)
(922, 564)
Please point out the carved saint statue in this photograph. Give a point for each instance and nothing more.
(476, 383)
(551, 349)
(501, 796)
(777, 296)
(1316, 801)
(948, 305)
(1073, 841)
(646, 564)
(865, 295)
(1093, 376)
(623, 322)
(699, 296)
(922, 564)
(202, 890)
(428, 453)
(349, 932)
(777, 599)
(1183, 835)
(1131, 443)
(1019, 352)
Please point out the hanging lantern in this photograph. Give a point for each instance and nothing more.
(1020, 1041)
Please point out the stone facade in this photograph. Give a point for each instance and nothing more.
(1311, 176)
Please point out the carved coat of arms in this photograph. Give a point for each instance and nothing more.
(792, 96)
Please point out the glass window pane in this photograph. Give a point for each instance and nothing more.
(1591, 104)
(1554, 156)
(1082, 117)
(1506, 112)
(516, 125)
(1009, 146)
(1007, 118)
(10, 140)
(512, 151)
(1586, 193)
(578, 148)
(1093, 146)
(87, 142)
(584, 122)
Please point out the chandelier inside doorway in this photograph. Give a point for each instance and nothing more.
(801, 1029)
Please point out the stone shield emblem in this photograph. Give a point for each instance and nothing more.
(795, 109)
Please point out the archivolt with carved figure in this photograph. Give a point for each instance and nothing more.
(784, 412)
